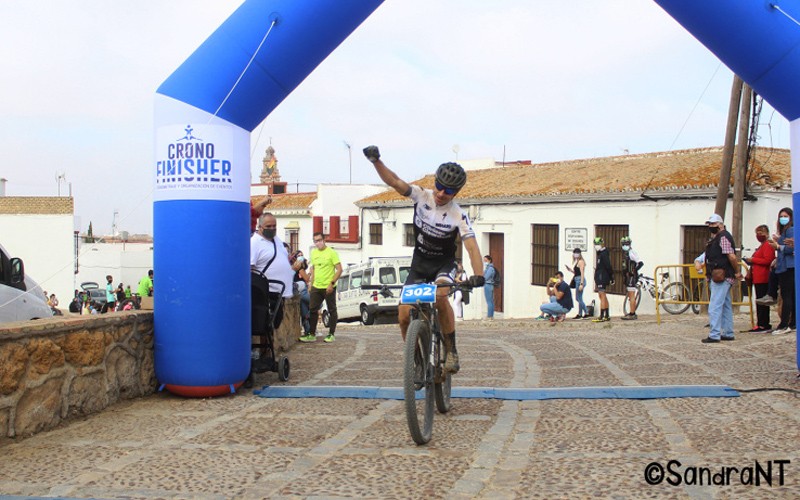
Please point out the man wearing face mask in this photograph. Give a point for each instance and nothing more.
(603, 277)
(632, 265)
(722, 267)
(269, 257)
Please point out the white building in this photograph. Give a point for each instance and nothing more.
(39, 230)
(530, 217)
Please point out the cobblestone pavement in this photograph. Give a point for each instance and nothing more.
(245, 446)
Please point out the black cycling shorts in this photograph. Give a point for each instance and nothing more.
(630, 281)
(428, 271)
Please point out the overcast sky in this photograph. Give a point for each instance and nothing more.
(541, 80)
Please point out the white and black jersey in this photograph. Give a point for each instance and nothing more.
(435, 227)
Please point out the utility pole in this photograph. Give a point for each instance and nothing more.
(741, 165)
(727, 151)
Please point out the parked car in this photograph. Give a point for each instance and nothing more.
(353, 303)
(21, 297)
(96, 293)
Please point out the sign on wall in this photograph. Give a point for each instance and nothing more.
(576, 237)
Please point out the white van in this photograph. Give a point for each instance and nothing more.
(21, 298)
(354, 303)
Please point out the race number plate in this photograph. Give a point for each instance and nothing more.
(418, 293)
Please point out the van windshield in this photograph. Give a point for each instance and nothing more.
(387, 276)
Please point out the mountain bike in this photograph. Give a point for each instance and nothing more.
(675, 290)
(425, 381)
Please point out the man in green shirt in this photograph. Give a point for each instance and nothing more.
(325, 270)
(146, 285)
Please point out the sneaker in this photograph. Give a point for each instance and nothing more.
(781, 331)
(561, 318)
(709, 340)
(766, 300)
(329, 338)
(451, 362)
(630, 316)
(308, 338)
(727, 338)
(757, 329)
(578, 317)
(542, 317)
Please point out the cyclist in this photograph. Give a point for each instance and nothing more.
(437, 222)
(603, 277)
(632, 265)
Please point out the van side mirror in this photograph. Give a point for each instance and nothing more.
(17, 271)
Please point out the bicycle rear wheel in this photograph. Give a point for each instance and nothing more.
(626, 305)
(675, 291)
(418, 371)
(442, 382)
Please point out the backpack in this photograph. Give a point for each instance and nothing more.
(497, 279)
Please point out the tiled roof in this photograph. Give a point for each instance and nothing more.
(684, 169)
(287, 201)
(28, 205)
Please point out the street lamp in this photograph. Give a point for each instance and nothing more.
(350, 155)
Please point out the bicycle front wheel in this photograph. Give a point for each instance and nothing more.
(675, 291)
(418, 377)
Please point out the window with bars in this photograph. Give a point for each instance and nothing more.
(694, 242)
(544, 252)
(408, 235)
(611, 235)
(376, 234)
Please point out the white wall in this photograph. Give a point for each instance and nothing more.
(339, 199)
(655, 227)
(127, 263)
(44, 242)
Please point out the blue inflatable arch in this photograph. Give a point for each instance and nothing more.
(759, 41)
(204, 113)
(206, 109)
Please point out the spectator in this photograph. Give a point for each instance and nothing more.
(128, 293)
(722, 267)
(632, 265)
(300, 265)
(460, 297)
(120, 295)
(560, 302)
(325, 271)
(579, 281)
(268, 256)
(111, 298)
(145, 288)
(52, 301)
(783, 243)
(489, 274)
(760, 264)
(603, 277)
(256, 211)
(75, 305)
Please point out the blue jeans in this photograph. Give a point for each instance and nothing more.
(488, 292)
(720, 310)
(553, 308)
(579, 296)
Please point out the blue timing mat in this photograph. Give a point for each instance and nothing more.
(519, 394)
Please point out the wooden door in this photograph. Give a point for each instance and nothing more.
(497, 252)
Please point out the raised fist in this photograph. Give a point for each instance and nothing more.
(476, 281)
(372, 153)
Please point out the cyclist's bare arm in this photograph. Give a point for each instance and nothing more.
(390, 178)
(475, 257)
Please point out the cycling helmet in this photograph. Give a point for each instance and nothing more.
(598, 240)
(625, 240)
(451, 175)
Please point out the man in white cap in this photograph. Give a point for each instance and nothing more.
(722, 270)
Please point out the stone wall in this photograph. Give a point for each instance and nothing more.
(55, 369)
(60, 368)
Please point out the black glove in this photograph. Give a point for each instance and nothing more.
(372, 153)
(476, 281)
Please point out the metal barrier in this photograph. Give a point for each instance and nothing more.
(681, 286)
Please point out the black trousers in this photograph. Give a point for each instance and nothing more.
(316, 296)
(786, 281)
(762, 312)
